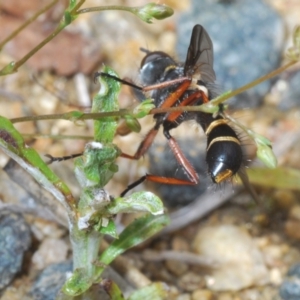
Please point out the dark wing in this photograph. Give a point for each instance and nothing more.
(200, 55)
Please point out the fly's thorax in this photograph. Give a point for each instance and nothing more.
(198, 84)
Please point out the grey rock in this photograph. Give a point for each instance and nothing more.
(247, 37)
(15, 239)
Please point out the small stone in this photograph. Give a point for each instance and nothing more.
(202, 294)
(289, 97)
(273, 255)
(275, 276)
(176, 267)
(241, 263)
(290, 288)
(179, 244)
(50, 251)
(191, 281)
(284, 199)
(15, 239)
(184, 297)
(295, 212)
(50, 280)
(292, 229)
(225, 296)
(43, 228)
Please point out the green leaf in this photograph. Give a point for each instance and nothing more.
(134, 234)
(139, 201)
(68, 18)
(265, 154)
(264, 149)
(133, 124)
(12, 143)
(144, 108)
(97, 165)
(72, 4)
(154, 291)
(78, 283)
(73, 115)
(8, 69)
(110, 229)
(105, 101)
(112, 289)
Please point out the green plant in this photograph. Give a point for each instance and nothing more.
(91, 216)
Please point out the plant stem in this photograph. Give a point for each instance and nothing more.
(26, 23)
(120, 113)
(101, 8)
(85, 247)
(60, 27)
(253, 83)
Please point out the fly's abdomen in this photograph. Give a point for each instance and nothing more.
(224, 155)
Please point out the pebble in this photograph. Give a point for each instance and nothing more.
(15, 239)
(202, 294)
(191, 281)
(292, 229)
(50, 251)
(273, 254)
(241, 263)
(247, 37)
(49, 281)
(179, 244)
(43, 228)
(295, 212)
(184, 297)
(290, 95)
(226, 296)
(290, 288)
(284, 199)
(176, 267)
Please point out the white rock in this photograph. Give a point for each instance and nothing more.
(50, 251)
(241, 263)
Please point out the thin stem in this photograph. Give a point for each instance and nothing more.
(70, 117)
(60, 27)
(26, 23)
(56, 137)
(101, 8)
(252, 84)
(204, 108)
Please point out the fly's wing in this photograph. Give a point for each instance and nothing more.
(200, 55)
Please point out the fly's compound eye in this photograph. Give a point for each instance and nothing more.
(153, 66)
(153, 56)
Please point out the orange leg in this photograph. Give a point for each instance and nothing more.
(181, 159)
(193, 178)
(173, 97)
(169, 102)
(192, 99)
(144, 146)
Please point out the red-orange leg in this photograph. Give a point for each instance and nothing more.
(157, 179)
(169, 102)
(188, 101)
(173, 97)
(164, 84)
(145, 144)
(182, 160)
